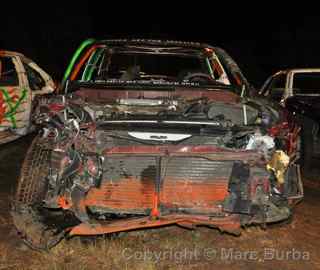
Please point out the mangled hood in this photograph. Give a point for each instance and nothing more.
(115, 119)
(218, 108)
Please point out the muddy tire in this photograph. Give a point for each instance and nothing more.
(32, 183)
(27, 211)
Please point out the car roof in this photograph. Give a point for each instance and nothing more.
(157, 45)
(154, 42)
(297, 70)
(10, 53)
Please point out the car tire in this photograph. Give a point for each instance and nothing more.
(32, 183)
(27, 211)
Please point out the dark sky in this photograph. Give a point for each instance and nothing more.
(261, 39)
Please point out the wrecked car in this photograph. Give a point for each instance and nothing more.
(151, 133)
(21, 82)
(299, 91)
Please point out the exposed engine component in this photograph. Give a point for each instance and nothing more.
(179, 109)
(262, 143)
(232, 113)
(147, 102)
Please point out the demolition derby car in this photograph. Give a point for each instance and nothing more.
(151, 133)
(21, 82)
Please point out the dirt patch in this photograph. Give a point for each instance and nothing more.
(286, 246)
(291, 246)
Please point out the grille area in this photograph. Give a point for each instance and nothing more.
(191, 184)
(197, 169)
(183, 168)
(139, 168)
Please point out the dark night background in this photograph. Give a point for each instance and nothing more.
(261, 40)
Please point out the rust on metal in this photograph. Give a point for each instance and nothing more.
(230, 224)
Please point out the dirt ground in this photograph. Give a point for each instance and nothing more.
(289, 246)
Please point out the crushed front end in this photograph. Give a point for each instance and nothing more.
(149, 162)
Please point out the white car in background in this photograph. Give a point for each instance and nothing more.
(298, 90)
(21, 81)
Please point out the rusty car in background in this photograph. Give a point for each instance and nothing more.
(151, 133)
(21, 82)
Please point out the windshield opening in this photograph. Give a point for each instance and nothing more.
(151, 66)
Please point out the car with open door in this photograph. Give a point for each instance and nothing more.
(151, 133)
(21, 82)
